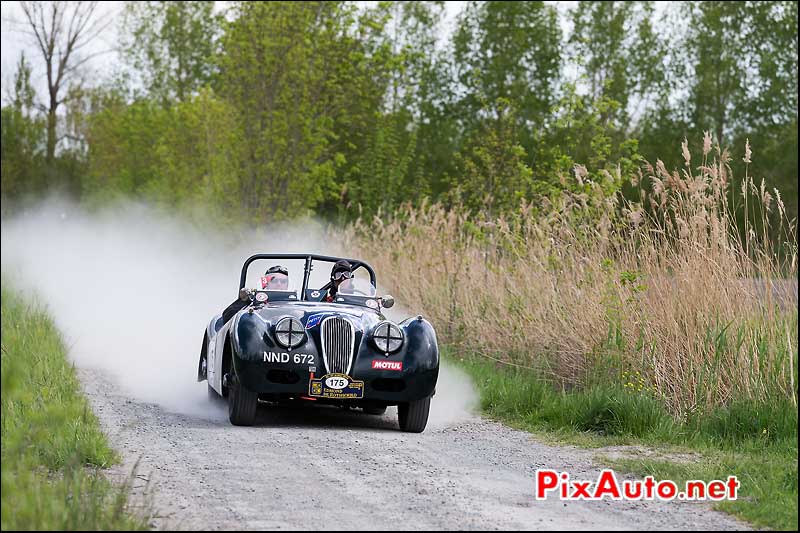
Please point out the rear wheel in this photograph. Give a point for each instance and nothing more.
(242, 405)
(413, 416)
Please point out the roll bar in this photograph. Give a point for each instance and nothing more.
(308, 258)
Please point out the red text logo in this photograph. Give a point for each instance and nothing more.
(606, 485)
(387, 365)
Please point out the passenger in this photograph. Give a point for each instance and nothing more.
(276, 278)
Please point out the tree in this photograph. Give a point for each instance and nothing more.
(171, 45)
(508, 51)
(406, 141)
(586, 131)
(61, 30)
(430, 99)
(307, 82)
(739, 82)
(493, 176)
(123, 140)
(23, 136)
(620, 56)
(716, 43)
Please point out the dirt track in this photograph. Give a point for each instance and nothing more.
(306, 468)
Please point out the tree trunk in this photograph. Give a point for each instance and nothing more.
(51, 133)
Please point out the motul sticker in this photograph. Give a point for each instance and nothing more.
(387, 365)
(264, 282)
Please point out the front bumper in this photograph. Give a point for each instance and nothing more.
(387, 386)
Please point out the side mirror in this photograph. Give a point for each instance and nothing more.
(387, 301)
(244, 294)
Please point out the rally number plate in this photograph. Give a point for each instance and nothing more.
(336, 386)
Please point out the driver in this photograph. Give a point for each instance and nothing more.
(342, 270)
(276, 278)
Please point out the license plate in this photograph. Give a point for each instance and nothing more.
(337, 387)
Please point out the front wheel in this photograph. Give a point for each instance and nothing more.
(242, 405)
(413, 416)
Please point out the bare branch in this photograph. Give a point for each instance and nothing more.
(60, 29)
(28, 10)
(72, 68)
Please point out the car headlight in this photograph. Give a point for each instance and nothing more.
(289, 332)
(387, 337)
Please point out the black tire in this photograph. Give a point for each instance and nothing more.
(413, 416)
(375, 410)
(242, 405)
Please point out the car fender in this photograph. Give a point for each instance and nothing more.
(421, 343)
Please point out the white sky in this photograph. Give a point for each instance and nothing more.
(13, 42)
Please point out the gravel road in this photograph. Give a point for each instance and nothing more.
(323, 468)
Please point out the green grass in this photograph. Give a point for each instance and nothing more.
(756, 442)
(52, 447)
(767, 473)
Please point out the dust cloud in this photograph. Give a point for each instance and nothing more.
(132, 289)
(455, 399)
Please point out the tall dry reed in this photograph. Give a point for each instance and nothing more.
(588, 286)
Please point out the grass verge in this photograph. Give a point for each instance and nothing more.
(52, 447)
(755, 441)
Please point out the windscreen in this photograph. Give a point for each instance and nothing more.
(259, 276)
(357, 287)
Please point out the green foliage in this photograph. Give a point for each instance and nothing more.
(388, 153)
(589, 133)
(718, 40)
(755, 441)
(171, 45)
(731, 46)
(508, 51)
(52, 446)
(344, 109)
(122, 138)
(620, 55)
(302, 105)
(491, 170)
(735, 71)
(767, 473)
(23, 138)
(176, 156)
(402, 153)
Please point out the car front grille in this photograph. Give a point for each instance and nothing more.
(338, 340)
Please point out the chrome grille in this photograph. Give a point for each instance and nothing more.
(338, 340)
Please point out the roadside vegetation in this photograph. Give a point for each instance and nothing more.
(756, 442)
(262, 111)
(53, 450)
(607, 320)
(496, 176)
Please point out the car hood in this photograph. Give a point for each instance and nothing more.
(312, 313)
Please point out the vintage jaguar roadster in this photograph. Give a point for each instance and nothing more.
(272, 346)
